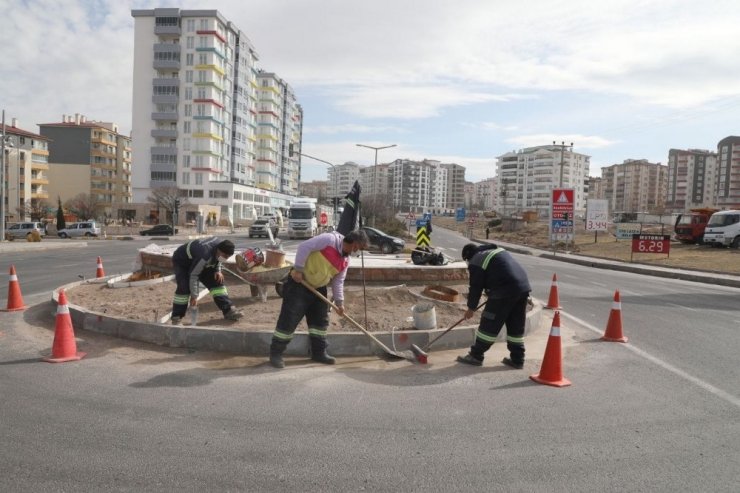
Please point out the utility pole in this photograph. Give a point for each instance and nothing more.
(562, 159)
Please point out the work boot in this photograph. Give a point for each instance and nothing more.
(176, 320)
(276, 360)
(514, 364)
(324, 357)
(469, 359)
(233, 314)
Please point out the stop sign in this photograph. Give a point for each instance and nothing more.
(324, 218)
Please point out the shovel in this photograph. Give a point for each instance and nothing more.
(401, 355)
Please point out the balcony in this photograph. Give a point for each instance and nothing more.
(164, 133)
(165, 116)
(165, 99)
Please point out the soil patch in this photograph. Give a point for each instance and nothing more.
(388, 308)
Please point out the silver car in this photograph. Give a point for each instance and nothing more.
(85, 228)
(24, 230)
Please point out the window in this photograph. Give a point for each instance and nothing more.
(199, 178)
(189, 60)
(190, 42)
(190, 25)
(186, 178)
(188, 76)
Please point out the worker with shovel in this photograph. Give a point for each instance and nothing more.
(319, 261)
(505, 282)
(200, 261)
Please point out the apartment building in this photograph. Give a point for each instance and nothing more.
(90, 157)
(727, 191)
(340, 179)
(26, 174)
(635, 185)
(527, 177)
(486, 194)
(206, 120)
(691, 180)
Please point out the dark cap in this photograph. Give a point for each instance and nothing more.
(227, 247)
(469, 250)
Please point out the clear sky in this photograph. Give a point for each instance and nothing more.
(460, 81)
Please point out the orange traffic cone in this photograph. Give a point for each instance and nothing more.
(613, 331)
(100, 272)
(65, 346)
(551, 371)
(15, 299)
(553, 302)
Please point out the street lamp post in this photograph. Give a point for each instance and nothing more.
(375, 171)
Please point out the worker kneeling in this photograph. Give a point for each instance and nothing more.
(200, 261)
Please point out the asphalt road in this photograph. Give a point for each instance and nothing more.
(660, 413)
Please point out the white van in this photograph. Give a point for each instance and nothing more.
(723, 229)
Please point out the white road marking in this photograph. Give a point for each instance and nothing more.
(676, 371)
(682, 306)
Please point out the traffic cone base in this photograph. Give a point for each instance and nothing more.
(15, 298)
(553, 300)
(551, 371)
(613, 331)
(65, 347)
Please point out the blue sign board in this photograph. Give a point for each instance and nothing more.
(427, 216)
(460, 214)
(421, 222)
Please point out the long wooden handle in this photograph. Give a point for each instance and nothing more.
(328, 302)
(449, 329)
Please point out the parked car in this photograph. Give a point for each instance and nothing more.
(259, 228)
(24, 230)
(159, 230)
(383, 242)
(76, 230)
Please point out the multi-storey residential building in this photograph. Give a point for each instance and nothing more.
(486, 193)
(411, 185)
(728, 173)
(279, 125)
(26, 173)
(374, 181)
(455, 185)
(340, 179)
(636, 185)
(206, 120)
(596, 188)
(90, 157)
(528, 176)
(691, 180)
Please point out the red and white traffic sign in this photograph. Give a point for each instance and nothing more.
(411, 216)
(324, 218)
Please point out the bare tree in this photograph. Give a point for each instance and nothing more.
(84, 206)
(168, 198)
(37, 210)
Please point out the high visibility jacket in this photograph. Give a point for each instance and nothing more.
(195, 256)
(496, 271)
(321, 261)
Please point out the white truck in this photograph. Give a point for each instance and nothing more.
(302, 222)
(723, 229)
